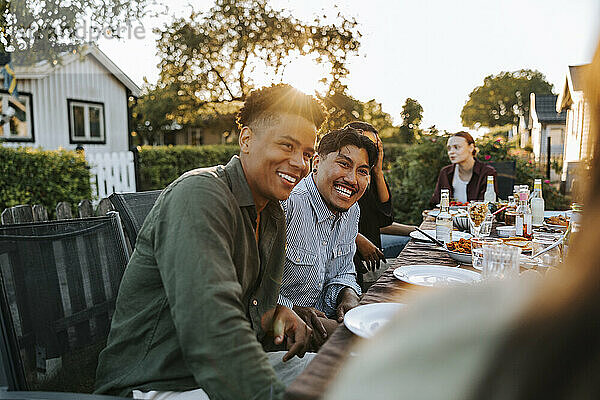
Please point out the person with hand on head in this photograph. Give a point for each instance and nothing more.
(322, 214)
(198, 300)
(466, 177)
(379, 236)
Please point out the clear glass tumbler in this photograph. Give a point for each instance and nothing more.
(500, 262)
(477, 245)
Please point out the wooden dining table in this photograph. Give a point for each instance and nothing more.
(322, 370)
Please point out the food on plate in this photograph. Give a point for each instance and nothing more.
(557, 220)
(458, 204)
(478, 211)
(460, 246)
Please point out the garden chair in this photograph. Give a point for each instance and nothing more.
(133, 209)
(506, 173)
(59, 286)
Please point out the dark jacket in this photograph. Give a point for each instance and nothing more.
(475, 187)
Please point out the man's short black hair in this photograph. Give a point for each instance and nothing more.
(337, 139)
(281, 98)
(362, 126)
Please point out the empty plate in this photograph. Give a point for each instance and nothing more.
(435, 275)
(365, 321)
(456, 235)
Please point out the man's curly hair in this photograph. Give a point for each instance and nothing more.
(281, 98)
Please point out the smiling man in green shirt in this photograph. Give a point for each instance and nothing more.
(200, 292)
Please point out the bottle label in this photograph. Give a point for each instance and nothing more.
(527, 224)
(443, 233)
(519, 225)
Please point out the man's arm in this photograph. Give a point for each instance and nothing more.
(193, 245)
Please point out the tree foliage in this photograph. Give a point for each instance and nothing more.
(35, 30)
(412, 115)
(503, 98)
(216, 56)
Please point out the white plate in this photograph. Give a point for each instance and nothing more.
(435, 275)
(463, 258)
(455, 213)
(456, 235)
(365, 321)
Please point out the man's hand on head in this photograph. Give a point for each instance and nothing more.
(286, 325)
(347, 300)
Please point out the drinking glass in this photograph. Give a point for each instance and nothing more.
(477, 245)
(478, 211)
(500, 262)
(550, 258)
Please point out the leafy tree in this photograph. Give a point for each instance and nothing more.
(412, 115)
(35, 30)
(503, 98)
(155, 113)
(213, 56)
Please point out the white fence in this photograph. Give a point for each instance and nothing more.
(111, 172)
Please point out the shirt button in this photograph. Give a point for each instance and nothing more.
(324, 243)
(255, 302)
(298, 259)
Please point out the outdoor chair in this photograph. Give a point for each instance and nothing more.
(133, 209)
(59, 286)
(506, 174)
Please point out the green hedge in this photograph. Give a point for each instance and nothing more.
(33, 176)
(161, 165)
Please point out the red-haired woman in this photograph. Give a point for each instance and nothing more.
(466, 177)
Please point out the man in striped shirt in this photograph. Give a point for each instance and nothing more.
(322, 214)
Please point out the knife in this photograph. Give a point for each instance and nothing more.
(434, 240)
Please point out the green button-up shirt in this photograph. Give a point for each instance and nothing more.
(189, 305)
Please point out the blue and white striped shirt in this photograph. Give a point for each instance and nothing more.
(319, 251)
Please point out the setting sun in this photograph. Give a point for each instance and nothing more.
(305, 74)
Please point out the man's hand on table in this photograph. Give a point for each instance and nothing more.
(314, 319)
(285, 324)
(369, 252)
(347, 300)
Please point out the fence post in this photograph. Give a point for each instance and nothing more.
(136, 167)
(548, 147)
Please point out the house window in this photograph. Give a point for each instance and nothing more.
(16, 121)
(86, 122)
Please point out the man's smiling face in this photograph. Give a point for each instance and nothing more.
(342, 177)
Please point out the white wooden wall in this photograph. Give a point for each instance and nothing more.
(83, 79)
(111, 172)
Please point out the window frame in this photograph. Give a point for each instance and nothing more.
(86, 139)
(30, 126)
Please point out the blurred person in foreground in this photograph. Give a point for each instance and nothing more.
(322, 214)
(466, 177)
(199, 295)
(522, 339)
(379, 236)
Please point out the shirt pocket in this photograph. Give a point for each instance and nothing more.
(300, 256)
(342, 262)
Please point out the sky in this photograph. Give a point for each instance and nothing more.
(434, 51)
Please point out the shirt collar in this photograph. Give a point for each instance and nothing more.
(241, 191)
(316, 200)
(239, 184)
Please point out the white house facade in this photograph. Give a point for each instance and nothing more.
(578, 145)
(545, 123)
(80, 102)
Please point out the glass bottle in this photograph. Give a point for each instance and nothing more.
(510, 213)
(537, 204)
(490, 192)
(523, 215)
(443, 221)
